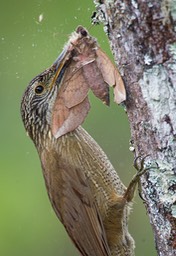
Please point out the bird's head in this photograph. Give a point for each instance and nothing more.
(38, 100)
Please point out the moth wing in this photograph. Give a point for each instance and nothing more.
(96, 82)
(65, 120)
(111, 76)
(59, 115)
(74, 87)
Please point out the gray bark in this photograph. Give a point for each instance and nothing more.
(143, 40)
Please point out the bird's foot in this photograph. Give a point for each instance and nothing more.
(142, 166)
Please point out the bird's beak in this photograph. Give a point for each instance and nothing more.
(58, 66)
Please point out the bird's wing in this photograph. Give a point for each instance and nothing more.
(75, 206)
(81, 216)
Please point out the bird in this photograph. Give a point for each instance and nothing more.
(84, 189)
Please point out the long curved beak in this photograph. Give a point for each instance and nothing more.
(59, 66)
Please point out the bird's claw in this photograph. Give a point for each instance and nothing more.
(142, 168)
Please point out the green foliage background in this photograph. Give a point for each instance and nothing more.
(28, 225)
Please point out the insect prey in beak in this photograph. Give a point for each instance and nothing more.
(86, 67)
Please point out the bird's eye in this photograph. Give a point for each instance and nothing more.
(39, 89)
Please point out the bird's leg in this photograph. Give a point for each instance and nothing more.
(129, 194)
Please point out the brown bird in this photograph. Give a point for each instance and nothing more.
(84, 189)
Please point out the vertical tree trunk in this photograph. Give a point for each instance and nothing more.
(143, 40)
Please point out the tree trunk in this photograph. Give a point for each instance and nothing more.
(143, 41)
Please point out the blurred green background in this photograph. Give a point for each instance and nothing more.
(32, 35)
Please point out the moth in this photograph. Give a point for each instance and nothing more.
(82, 66)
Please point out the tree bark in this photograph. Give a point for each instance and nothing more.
(143, 40)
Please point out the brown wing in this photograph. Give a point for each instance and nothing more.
(74, 204)
(74, 87)
(111, 75)
(96, 82)
(71, 105)
(65, 120)
(81, 216)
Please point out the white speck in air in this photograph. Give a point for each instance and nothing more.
(40, 18)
